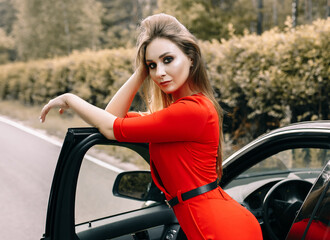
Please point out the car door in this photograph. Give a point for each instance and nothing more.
(80, 206)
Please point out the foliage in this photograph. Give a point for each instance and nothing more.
(6, 47)
(94, 76)
(208, 19)
(54, 28)
(263, 81)
(278, 76)
(120, 19)
(205, 19)
(8, 15)
(44, 29)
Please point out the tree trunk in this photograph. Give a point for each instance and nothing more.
(260, 17)
(294, 12)
(308, 10)
(275, 17)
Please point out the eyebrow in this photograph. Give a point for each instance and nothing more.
(162, 55)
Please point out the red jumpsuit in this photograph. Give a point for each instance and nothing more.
(183, 140)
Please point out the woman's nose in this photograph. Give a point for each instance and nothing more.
(160, 71)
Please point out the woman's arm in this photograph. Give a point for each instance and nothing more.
(121, 102)
(91, 114)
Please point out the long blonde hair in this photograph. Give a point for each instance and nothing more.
(168, 27)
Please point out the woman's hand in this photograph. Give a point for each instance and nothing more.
(91, 114)
(58, 102)
(122, 100)
(142, 71)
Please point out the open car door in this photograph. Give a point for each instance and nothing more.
(68, 216)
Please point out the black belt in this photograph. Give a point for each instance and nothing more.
(193, 193)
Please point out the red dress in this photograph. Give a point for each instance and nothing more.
(317, 230)
(183, 140)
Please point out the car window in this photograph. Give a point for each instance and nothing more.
(291, 160)
(313, 219)
(305, 163)
(101, 165)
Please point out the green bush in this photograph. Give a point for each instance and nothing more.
(95, 76)
(269, 80)
(263, 81)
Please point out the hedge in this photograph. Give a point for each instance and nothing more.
(262, 81)
(270, 80)
(95, 76)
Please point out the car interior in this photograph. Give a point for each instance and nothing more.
(271, 191)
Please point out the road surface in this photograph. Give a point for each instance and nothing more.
(27, 164)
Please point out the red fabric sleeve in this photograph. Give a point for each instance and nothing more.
(182, 121)
(132, 114)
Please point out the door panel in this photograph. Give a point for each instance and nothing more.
(157, 220)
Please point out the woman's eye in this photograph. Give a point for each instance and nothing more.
(152, 65)
(168, 59)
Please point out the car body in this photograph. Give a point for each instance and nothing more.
(273, 177)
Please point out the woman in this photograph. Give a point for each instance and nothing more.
(182, 126)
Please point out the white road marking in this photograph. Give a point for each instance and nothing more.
(56, 142)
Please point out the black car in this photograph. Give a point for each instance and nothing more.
(282, 178)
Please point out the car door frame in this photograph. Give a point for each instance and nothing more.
(275, 141)
(61, 205)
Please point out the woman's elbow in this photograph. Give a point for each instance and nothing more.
(106, 126)
(107, 132)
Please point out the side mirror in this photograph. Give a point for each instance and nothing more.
(137, 185)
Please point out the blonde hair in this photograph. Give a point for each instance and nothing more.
(168, 27)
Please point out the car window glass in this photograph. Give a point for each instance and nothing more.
(313, 219)
(290, 160)
(101, 165)
(305, 163)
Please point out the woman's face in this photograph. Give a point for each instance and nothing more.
(169, 67)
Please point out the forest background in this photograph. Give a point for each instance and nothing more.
(268, 60)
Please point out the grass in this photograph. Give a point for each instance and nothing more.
(56, 125)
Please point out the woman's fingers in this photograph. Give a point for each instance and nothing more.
(56, 102)
(43, 113)
(142, 71)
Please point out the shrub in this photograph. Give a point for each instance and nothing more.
(262, 81)
(95, 76)
(267, 80)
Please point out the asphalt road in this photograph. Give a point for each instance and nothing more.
(27, 164)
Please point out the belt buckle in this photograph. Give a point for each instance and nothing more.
(168, 204)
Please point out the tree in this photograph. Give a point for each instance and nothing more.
(6, 47)
(209, 19)
(8, 15)
(308, 10)
(294, 13)
(120, 19)
(56, 27)
(205, 19)
(260, 17)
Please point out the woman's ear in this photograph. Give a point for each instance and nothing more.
(192, 62)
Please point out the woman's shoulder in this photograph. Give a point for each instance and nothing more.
(198, 98)
(198, 102)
